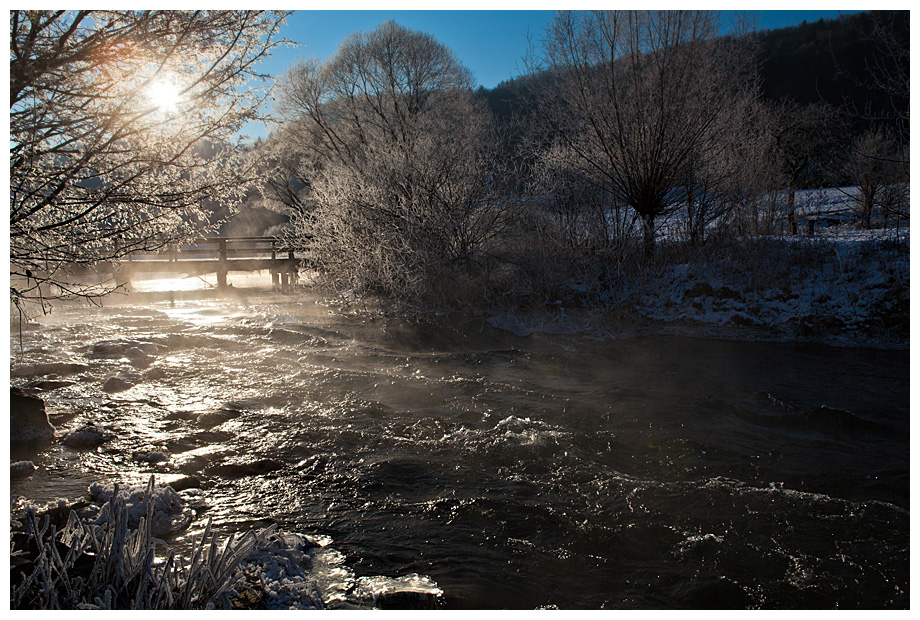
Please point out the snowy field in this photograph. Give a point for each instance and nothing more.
(843, 285)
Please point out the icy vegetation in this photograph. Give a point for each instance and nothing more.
(107, 556)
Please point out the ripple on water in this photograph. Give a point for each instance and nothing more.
(515, 472)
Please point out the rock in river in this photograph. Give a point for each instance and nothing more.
(28, 420)
(88, 436)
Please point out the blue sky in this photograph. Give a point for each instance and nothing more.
(491, 43)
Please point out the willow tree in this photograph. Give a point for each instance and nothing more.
(396, 154)
(637, 98)
(122, 124)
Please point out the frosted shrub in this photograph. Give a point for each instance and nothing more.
(405, 174)
(110, 565)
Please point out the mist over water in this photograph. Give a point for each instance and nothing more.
(516, 472)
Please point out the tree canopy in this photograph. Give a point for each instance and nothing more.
(117, 119)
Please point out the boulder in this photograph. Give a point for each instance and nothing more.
(28, 420)
(700, 289)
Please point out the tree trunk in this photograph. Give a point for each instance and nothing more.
(868, 202)
(692, 223)
(648, 235)
(790, 212)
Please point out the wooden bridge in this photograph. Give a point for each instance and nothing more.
(218, 255)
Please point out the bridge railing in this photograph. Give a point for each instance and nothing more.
(222, 254)
(220, 247)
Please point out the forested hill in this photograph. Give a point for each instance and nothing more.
(832, 61)
(828, 61)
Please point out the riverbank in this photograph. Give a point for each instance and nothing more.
(846, 287)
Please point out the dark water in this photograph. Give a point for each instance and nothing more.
(517, 472)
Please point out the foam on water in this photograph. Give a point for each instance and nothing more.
(487, 469)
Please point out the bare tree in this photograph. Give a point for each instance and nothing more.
(286, 169)
(874, 164)
(122, 123)
(639, 97)
(398, 155)
(802, 143)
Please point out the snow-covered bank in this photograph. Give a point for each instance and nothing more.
(844, 286)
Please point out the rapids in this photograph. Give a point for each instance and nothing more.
(547, 470)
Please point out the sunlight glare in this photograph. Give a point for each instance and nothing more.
(164, 95)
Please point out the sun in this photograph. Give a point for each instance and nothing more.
(164, 95)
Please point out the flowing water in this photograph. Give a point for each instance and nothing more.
(515, 471)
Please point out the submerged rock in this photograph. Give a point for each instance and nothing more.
(47, 386)
(21, 469)
(210, 419)
(88, 436)
(407, 600)
(138, 358)
(117, 384)
(151, 457)
(122, 348)
(240, 470)
(28, 419)
(48, 368)
(185, 483)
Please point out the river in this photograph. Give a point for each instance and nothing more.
(547, 470)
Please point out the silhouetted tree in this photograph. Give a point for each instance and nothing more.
(874, 163)
(638, 97)
(802, 139)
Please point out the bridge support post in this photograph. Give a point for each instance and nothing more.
(292, 274)
(222, 264)
(276, 275)
(122, 273)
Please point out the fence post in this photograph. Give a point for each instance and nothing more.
(222, 264)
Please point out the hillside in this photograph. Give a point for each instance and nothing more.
(823, 61)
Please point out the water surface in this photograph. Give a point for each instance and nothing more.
(517, 472)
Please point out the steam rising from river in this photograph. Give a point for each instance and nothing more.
(515, 471)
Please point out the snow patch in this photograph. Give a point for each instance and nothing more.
(169, 510)
(21, 468)
(301, 572)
